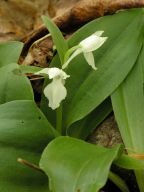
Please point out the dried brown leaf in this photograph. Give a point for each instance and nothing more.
(82, 12)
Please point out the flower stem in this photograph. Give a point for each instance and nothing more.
(59, 110)
(69, 52)
(120, 183)
(59, 119)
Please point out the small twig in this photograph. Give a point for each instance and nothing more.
(36, 78)
(31, 165)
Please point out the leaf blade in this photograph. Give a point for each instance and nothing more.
(83, 128)
(128, 105)
(12, 86)
(57, 36)
(69, 168)
(10, 52)
(22, 136)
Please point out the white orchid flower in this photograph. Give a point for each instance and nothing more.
(55, 91)
(87, 46)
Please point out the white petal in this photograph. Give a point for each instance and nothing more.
(54, 72)
(99, 41)
(55, 93)
(57, 73)
(77, 52)
(98, 33)
(90, 59)
(64, 75)
(92, 43)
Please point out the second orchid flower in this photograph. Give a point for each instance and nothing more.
(87, 46)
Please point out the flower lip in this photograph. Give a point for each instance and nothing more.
(55, 91)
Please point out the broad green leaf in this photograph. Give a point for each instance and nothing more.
(10, 52)
(128, 105)
(114, 60)
(24, 133)
(74, 165)
(81, 129)
(141, 59)
(58, 39)
(13, 86)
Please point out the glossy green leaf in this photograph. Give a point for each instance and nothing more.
(128, 105)
(88, 88)
(13, 86)
(141, 59)
(81, 129)
(24, 132)
(10, 52)
(74, 165)
(58, 39)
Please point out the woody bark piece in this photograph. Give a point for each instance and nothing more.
(74, 17)
(81, 13)
(113, 6)
(61, 6)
